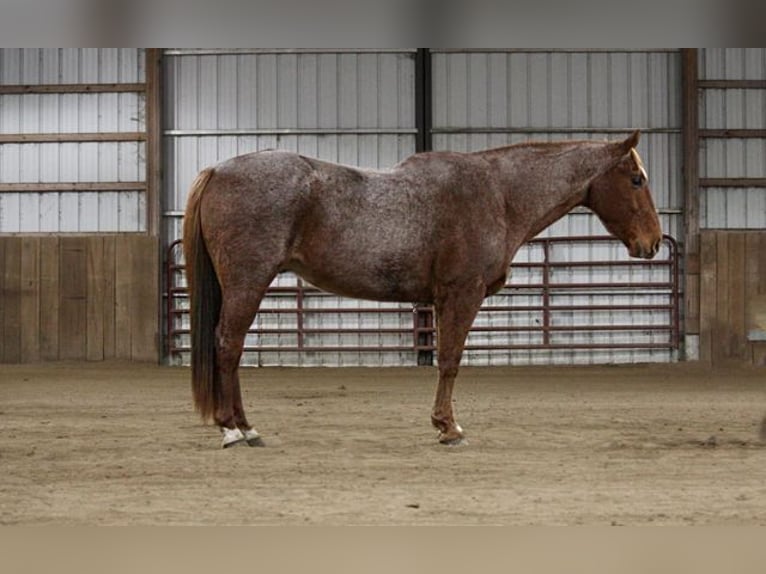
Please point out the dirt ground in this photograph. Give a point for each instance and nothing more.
(92, 444)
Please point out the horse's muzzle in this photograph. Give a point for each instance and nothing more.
(641, 251)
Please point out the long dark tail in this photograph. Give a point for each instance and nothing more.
(205, 304)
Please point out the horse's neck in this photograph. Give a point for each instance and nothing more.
(543, 183)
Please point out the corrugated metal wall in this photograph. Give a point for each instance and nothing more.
(730, 108)
(356, 108)
(72, 162)
(490, 98)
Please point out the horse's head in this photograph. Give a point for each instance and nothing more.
(622, 200)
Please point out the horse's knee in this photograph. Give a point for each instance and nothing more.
(448, 370)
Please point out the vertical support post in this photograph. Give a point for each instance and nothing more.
(153, 106)
(299, 314)
(423, 104)
(424, 316)
(546, 294)
(690, 135)
(153, 140)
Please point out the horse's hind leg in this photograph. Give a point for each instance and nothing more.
(238, 310)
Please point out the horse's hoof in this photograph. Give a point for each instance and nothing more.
(232, 437)
(253, 438)
(452, 438)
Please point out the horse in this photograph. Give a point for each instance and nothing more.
(439, 228)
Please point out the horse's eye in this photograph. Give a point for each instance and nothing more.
(637, 180)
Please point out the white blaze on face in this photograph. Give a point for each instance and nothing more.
(639, 163)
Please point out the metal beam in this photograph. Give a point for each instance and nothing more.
(72, 137)
(70, 89)
(45, 187)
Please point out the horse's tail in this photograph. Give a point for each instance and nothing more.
(204, 304)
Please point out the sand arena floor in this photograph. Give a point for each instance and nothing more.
(115, 443)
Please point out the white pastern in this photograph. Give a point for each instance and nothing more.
(232, 437)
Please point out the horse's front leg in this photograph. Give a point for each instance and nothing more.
(455, 312)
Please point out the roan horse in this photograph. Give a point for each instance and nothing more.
(439, 228)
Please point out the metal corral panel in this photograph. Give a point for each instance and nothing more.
(72, 162)
(733, 108)
(485, 99)
(356, 108)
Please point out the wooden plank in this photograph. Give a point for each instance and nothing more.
(70, 88)
(72, 186)
(692, 302)
(144, 303)
(708, 259)
(30, 299)
(49, 298)
(73, 137)
(759, 354)
(721, 348)
(755, 304)
(95, 301)
(108, 286)
(762, 265)
(122, 297)
(3, 303)
(74, 292)
(736, 297)
(12, 296)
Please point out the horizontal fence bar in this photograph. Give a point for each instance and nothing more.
(552, 50)
(72, 186)
(732, 182)
(549, 130)
(178, 214)
(72, 137)
(422, 332)
(733, 133)
(289, 132)
(732, 84)
(18, 89)
(286, 51)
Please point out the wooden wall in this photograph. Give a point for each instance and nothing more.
(79, 297)
(732, 296)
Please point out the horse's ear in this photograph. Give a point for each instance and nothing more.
(631, 142)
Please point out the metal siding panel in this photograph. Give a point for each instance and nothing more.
(388, 78)
(70, 66)
(477, 94)
(246, 89)
(89, 65)
(327, 90)
(226, 89)
(49, 212)
(307, 92)
(267, 100)
(287, 90)
(559, 91)
(10, 70)
(598, 77)
(30, 66)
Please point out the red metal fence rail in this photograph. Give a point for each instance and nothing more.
(414, 326)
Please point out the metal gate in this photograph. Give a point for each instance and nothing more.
(540, 310)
